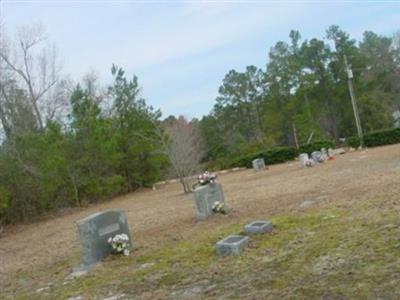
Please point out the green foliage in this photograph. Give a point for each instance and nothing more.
(5, 199)
(97, 155)
(377, 138)
(353, 142)
(303, 91)
(111, 142)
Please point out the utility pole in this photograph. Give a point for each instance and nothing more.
(353, 101)
(295, 135)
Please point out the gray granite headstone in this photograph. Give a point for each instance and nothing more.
(205, 196)
(258, 164)
(94, 232)
(231, 245)
(318, 156)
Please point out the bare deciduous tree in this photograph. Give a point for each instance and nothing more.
(184, 148)
(37, 70)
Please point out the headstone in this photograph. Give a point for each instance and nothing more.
(303, 158)
(205, 196)
(258, 164)
(339, 151)
(94, 232)
(331, 152)
(258, 227)
(317, 156)
(231, 245)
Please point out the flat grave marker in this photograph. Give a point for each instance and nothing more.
(231, 245)
(258, 227)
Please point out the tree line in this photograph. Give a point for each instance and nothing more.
(302, 93)
(66, 144)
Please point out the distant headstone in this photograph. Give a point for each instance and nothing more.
(94, 232)
(205, 196)
(258, 227)
(303, 158)
(231, 245)
(317, 156)
(258, 164)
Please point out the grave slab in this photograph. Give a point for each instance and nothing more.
(231, 245)
(94, 232)
(258, 227)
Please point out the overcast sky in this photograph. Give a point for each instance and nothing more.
(181, 50)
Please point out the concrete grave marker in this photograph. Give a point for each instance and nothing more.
(258, 164)
(303, 158)
(318, 156)
(231, 245)
(94, 232)
(205, 196)
(258, 227)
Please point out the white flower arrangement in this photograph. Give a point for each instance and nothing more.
(120, 243)
(310, 163)
(219, 207)
(206, 178)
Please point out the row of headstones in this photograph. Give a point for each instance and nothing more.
(316, 157)
(305, 160)
(206, 196)
(95, 230)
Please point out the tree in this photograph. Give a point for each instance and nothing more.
(238, 105)
(136, 133)
(36, 70)
(184, 148)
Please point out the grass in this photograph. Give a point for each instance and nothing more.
(336, 253)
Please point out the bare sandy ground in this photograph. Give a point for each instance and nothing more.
(166, 215)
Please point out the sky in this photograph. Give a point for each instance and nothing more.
(181, 50)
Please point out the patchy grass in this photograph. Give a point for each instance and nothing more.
(330, 253)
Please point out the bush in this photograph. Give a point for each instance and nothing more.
(353, 142)
(377, 138)
(5, 199)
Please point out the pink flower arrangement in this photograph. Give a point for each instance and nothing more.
(206, 178)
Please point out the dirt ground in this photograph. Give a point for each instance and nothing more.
(166, 215)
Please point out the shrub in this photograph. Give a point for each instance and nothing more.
(384, 137)
(353, 142)
(377, 138)
(5, 199)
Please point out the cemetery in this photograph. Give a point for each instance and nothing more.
(199, 150)
(267, 243)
